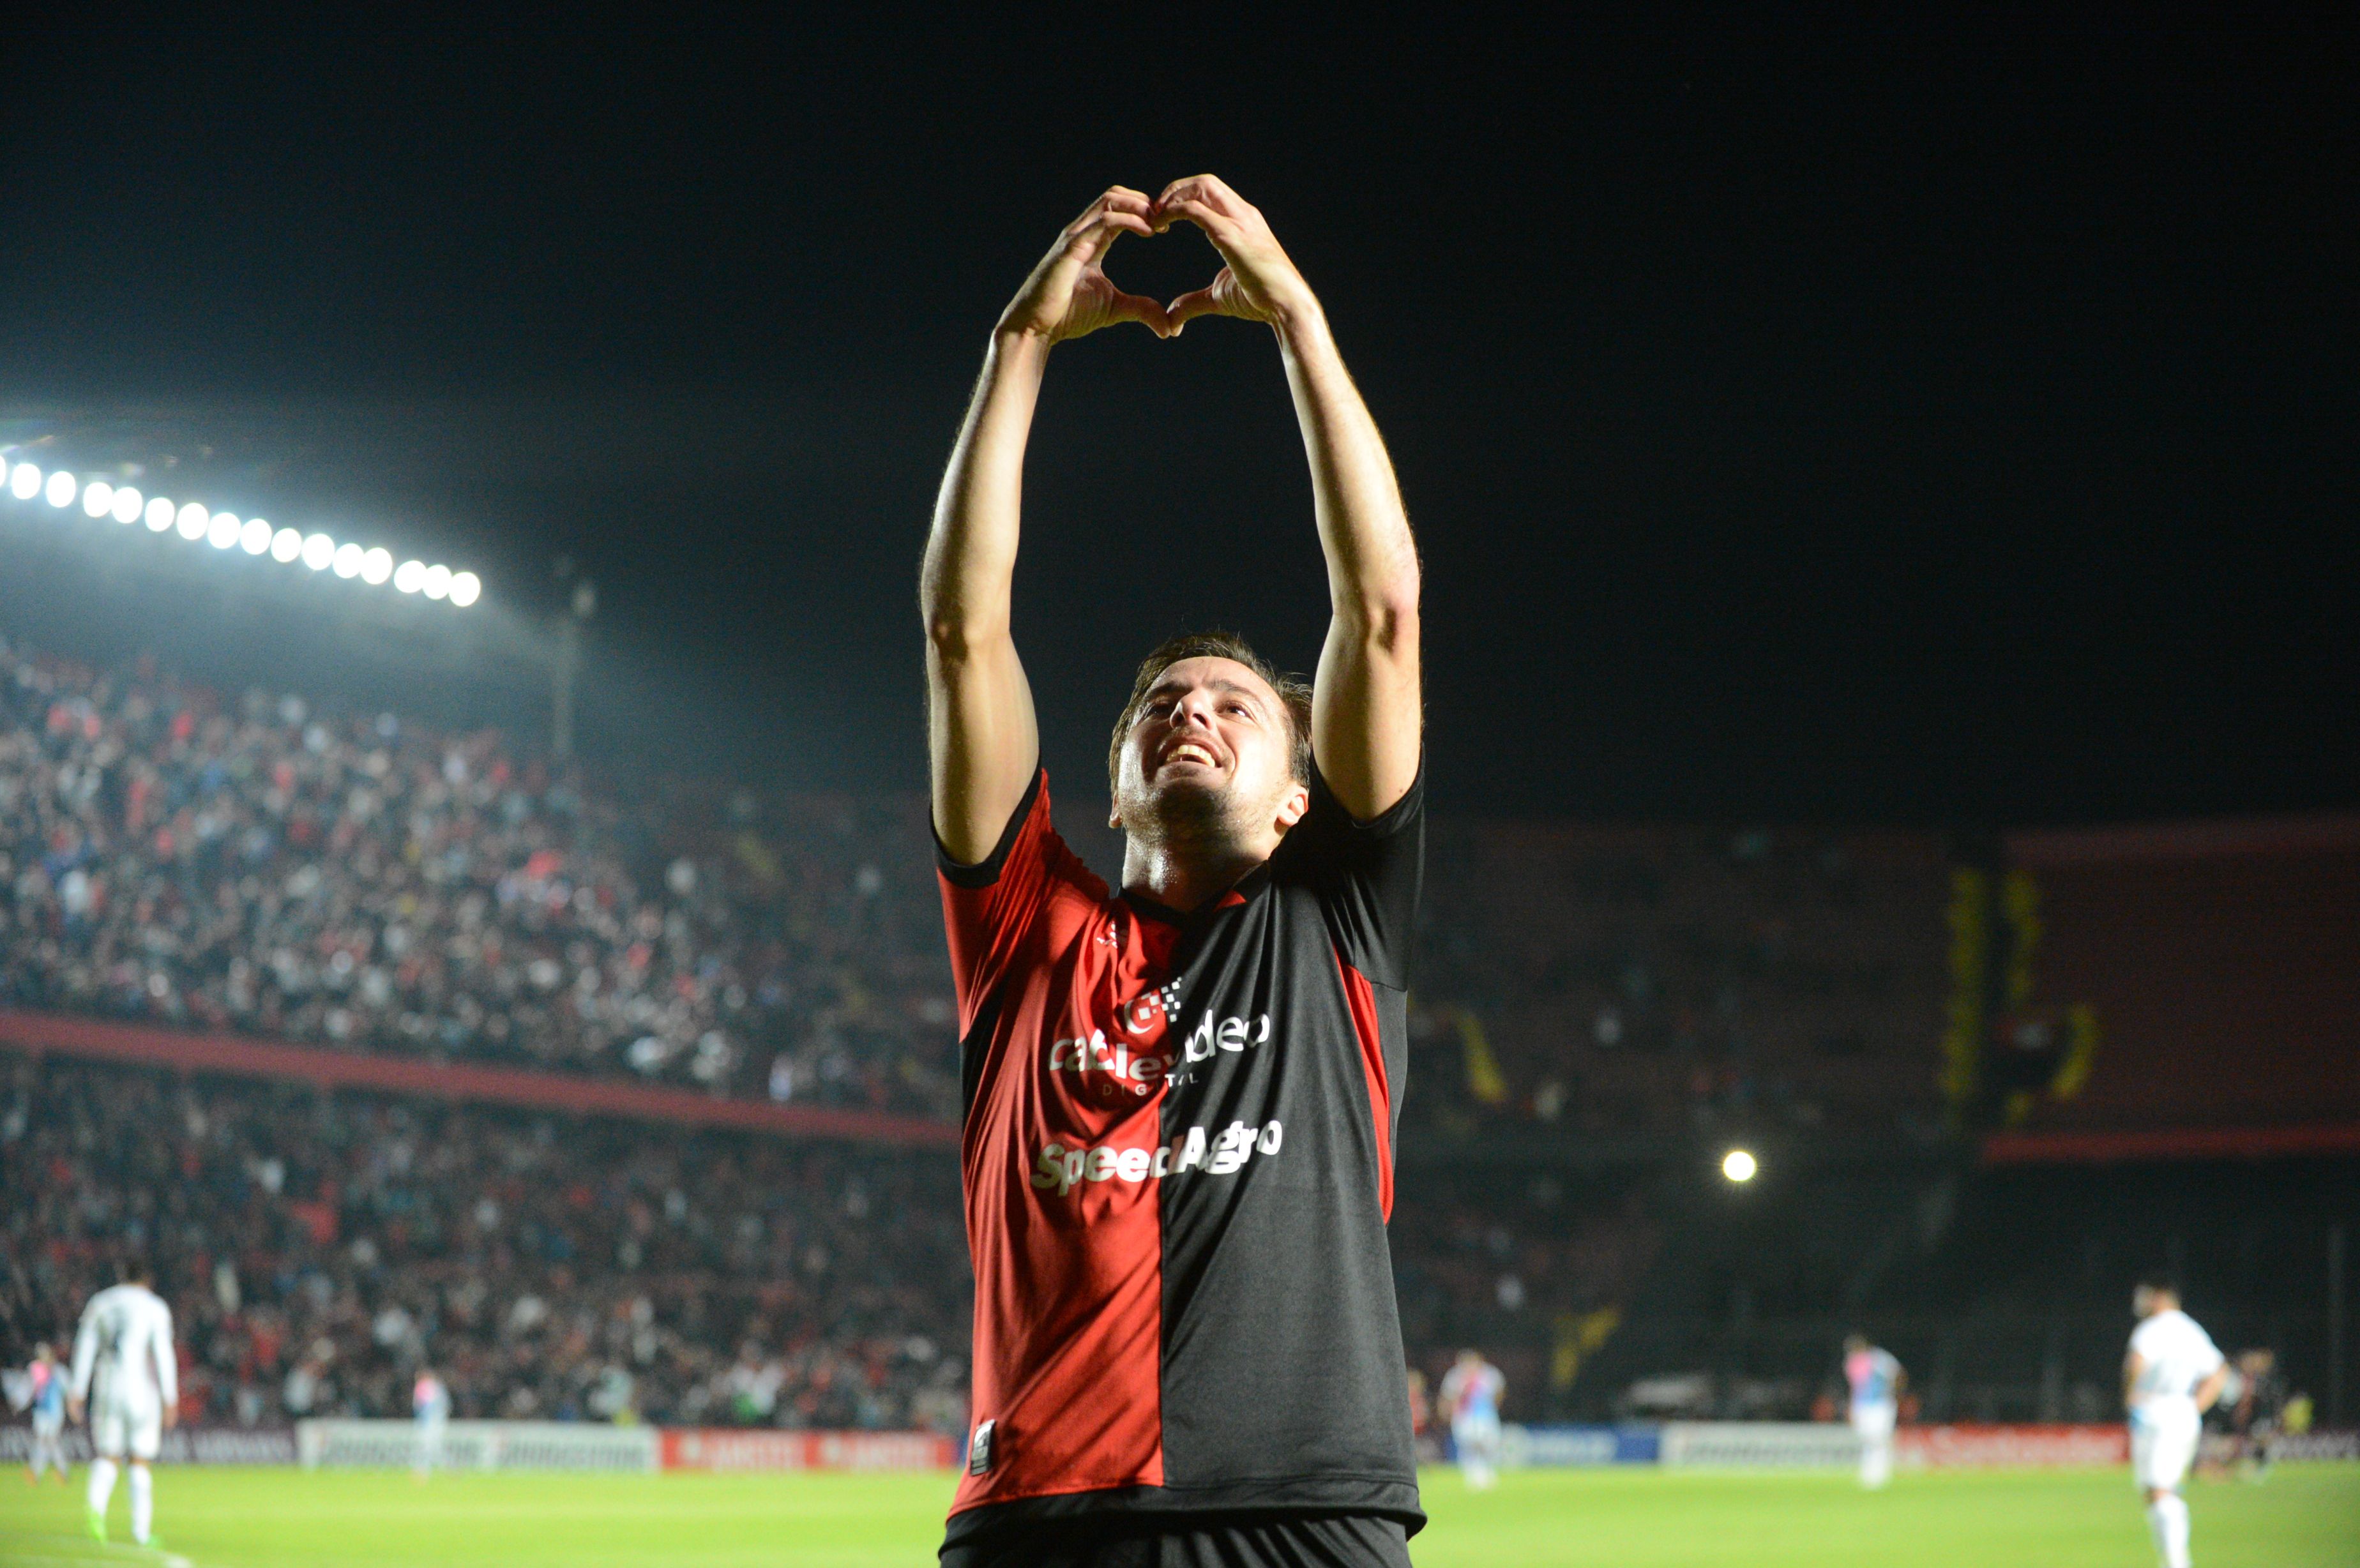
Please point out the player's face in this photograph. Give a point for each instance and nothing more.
(1210, 745)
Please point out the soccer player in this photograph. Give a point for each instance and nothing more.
(1470, 1394)
(124, 1367)
(1876, 1380)
(2170, 1377)
(48, 1383)
(430, 1401)
(1181, 1093)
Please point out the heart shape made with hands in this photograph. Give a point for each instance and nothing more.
(1069, 294)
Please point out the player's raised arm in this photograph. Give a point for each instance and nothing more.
(981, 735)
(1367, 714)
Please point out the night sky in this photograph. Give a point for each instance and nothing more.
(1849, 420)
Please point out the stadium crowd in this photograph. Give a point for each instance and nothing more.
(318, 1249)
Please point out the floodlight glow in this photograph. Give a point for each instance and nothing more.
(286, 545)
(376, 566)
(158, 515)
(60, 489)
(255, 538)
(1739, 1166)
(127, 504)
(437, 583)
(466, 588)
(25, 481)
(97, 498)
(222, 531)
(410, 576)
(319, 550)
(347, 560)
(191, 521)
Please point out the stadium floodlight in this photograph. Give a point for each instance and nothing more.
(25, 481)
(191, 521)
(97, 498)
(410, 576)
(376, 565)
(437, 583)
(255, 538)
(59, 490)
(128, 504)
(222, 531)
(158, 514)
(466, 588)
(1739, 1166)
(286, 545)
(347, 560)
(319, 550)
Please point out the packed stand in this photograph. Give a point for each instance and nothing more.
(318, 1250)
(363, 883)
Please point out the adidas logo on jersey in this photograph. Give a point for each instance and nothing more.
(1223, 1154)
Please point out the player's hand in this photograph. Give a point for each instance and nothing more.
(1069, 295)
(171, 1417)
(1257, 282)
(74, 1408)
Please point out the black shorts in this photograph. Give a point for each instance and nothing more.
(1296, 1541)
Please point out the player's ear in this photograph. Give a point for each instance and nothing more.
(1292, 807)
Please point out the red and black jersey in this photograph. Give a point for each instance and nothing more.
(1178, 1165)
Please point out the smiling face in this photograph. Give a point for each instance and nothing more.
(1210, 749)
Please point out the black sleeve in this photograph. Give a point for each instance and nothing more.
(1368, 875)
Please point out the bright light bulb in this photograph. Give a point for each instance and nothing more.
(347, 560)
(191, 521)
(318, 551)
(466, 589)
(1739, 1166)
(286, 545)
(60, 489)
(97, 498)
(158, 515)
(129, 503)
(255, 538)
(437, 583)
(222, 531)
(410, 576)
(25, 481)
(376, 566)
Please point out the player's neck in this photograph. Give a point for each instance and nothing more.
(1186, 873)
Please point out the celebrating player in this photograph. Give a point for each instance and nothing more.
(124, 1367)
(1471, 1393)
(2170, 1377)
(1181, 1095)
(46, 1382)
(1876, 1380)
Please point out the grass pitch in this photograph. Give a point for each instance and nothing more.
(2304, 1516)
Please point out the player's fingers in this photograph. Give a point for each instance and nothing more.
(1206, 188)
(1189, 306)
(1217, 227)
(1149, 313)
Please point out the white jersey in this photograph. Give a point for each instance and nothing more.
(2176, 1354)
(125, 1350)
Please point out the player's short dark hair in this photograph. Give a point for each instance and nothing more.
(1294, 694)
(2160, 1280)
(135, 1271)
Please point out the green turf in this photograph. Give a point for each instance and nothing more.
(2304, 1516)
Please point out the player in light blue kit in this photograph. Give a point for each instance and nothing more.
(48, 1382)
(1876, 1380)
(430, 1400)
(1471, 1396)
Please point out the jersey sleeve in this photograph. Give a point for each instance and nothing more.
(992, 908)
(85, 1351)
(1368, 875)
(167, 1360)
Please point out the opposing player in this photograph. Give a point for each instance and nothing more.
(429, 1402)
(1472, 1391)
(124, 1367)
(2170, 1377)
(46, 1382)
(1876, 1380)
(1181, 1094)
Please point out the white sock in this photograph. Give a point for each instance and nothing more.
(102, 1484)
(143, 1503)
(2171, 1530)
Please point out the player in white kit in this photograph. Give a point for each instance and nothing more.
(1876, 1380)
(2171, 1375)
(124, 1367)
(1470, 1396)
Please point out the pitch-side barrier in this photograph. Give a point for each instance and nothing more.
(583, 1445)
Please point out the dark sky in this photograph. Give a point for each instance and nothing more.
(1855, 421)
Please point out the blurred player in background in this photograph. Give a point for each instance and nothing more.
(1470, 1396)
(2255, 1395)
(46, 1384)
(1876, 1380)
(430, 1401)
(2171, 1375)
(124, 1367)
